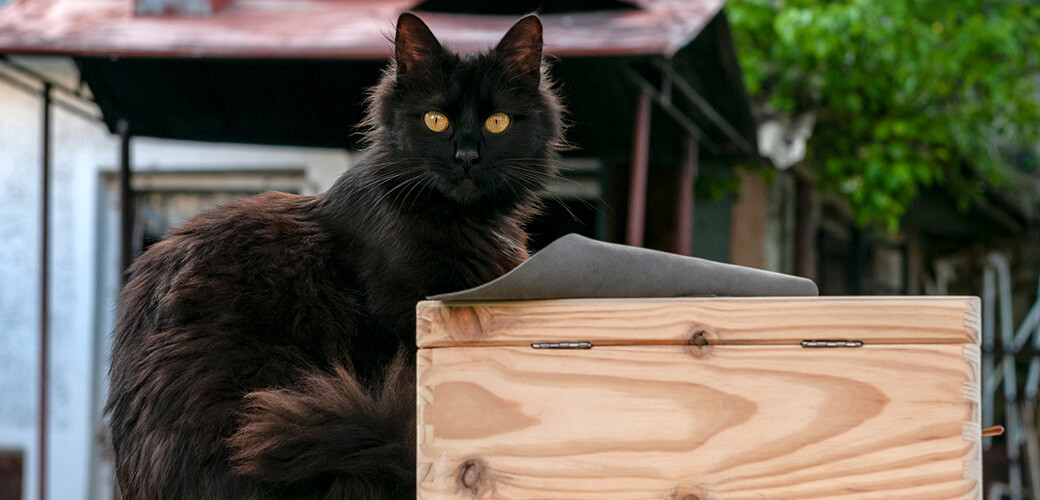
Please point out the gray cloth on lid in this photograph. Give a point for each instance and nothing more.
(578, 267)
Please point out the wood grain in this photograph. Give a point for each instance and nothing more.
(874, 320)
(682, 422)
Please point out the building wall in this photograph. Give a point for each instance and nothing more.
(83, 270)
(81, 147)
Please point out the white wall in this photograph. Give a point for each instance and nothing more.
(82, 267)
(79, 144)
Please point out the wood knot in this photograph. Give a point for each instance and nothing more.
(701, 341)
(472, 476)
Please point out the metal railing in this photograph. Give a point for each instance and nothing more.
(1020, 415)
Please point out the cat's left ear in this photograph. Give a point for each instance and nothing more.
(522, 46)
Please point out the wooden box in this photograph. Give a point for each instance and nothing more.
(700, 398)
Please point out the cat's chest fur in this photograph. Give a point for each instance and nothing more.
(398, 268)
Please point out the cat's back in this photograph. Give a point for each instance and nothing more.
(269, 225)
(236, 299)
(241, 263)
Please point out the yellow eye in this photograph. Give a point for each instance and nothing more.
(497, 123)
(436, 122)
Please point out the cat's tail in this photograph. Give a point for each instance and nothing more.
(331, 429)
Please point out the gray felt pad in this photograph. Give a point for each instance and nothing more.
(576, 267)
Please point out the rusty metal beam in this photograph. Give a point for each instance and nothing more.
(805, 230)
(639, 172)
(685, 208)
(45, 246)
(703, 105)
(670, 109)
(286, 29)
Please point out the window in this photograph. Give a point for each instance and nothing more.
(167, 199)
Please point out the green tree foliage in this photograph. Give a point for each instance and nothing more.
(907, 93)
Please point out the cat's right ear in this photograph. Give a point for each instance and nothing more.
(415, 47)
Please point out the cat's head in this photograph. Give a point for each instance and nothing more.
(473, 129)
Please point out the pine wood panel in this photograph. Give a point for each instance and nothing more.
(877, 320)
(698, 423)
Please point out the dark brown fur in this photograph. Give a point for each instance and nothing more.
(264, 350)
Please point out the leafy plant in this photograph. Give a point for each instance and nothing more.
(907, 93)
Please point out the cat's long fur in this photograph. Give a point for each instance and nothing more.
(265, 349)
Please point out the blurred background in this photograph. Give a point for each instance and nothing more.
(876, 147)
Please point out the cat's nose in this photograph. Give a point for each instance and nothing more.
(467, 156)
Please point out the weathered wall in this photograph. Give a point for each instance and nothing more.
(80, 146)
(83, 272)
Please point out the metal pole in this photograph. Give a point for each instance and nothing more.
(804, 231)
(989, 372)
(684, 217)
(126, 204)
(45, 159)
(640, 167)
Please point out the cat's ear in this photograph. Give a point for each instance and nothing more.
(415, 47)
(522, 46)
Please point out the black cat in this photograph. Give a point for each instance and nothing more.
(265, 349)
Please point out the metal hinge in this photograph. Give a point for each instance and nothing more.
(805, 343)
(563, 345)
(832, 343)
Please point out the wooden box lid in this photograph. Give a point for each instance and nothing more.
(719, 321)
(699, 399)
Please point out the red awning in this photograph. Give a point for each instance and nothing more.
(343, 29)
